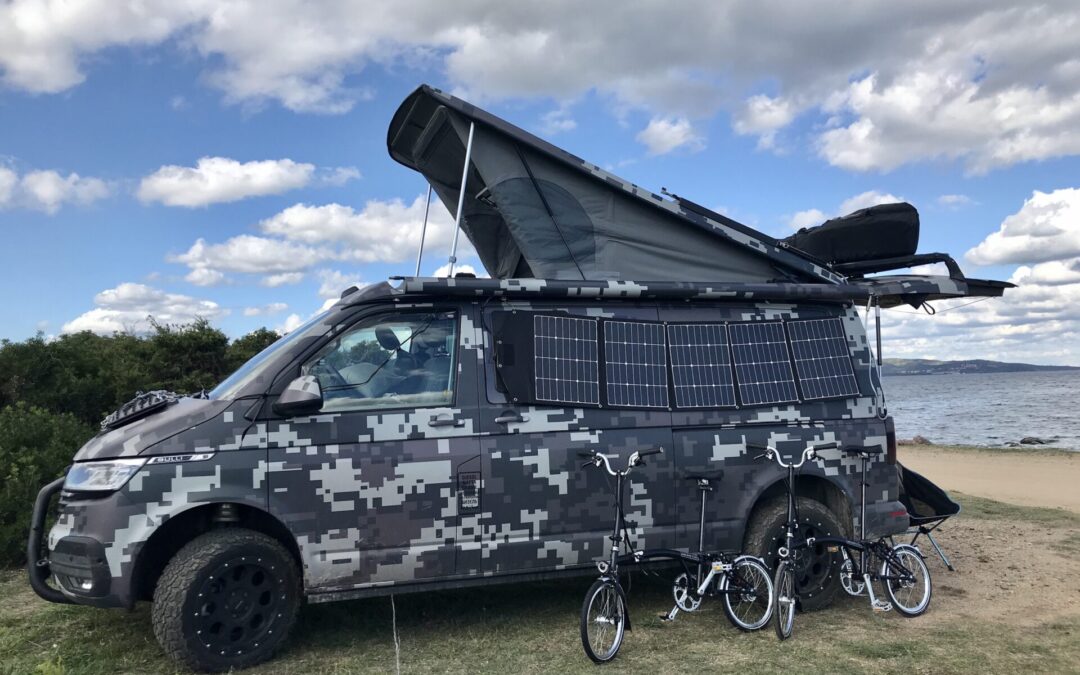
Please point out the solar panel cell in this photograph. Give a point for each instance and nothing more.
(762, 365)
(565, 360)
(701, 365)
(822, 359)
(635, 364)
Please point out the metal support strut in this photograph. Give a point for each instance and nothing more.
(461, 198)
(423, 230)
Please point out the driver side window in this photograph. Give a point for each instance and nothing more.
(389, 361)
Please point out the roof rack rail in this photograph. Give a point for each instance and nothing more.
(862, 267)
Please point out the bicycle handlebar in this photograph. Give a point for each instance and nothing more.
(771, 453)
(635, 459)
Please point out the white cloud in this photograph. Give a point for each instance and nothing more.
(48, 190)
(665, 134)
(204, 276)
(807, 218)
(1047, 227)
(127, 308)
(384, 231)
(458, 269)
(1039, 321)
(250, 254)
(266, 310)
(292, 322)
(215, 180)
(557, 121)
(985, 83)
(865, 200)
(763, 116)
(811, 217)
(955, 201)
(340, 175)
(283, 279)
(334, 282)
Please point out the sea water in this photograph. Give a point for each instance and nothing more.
(991, 409)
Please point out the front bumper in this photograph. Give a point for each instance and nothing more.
(75, 564)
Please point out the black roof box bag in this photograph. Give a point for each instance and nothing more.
(875, 233)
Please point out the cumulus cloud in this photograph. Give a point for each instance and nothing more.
(215, 180)
(283, 279)
(292, 322)
(863, 200)
(444, 270)
(1039, 321)
(985, 83)
(665, 134)
(383, 231)
(249, 254)
(48, 190)
(955, 201)
(1047, 227)
(334, 282)
(128, 308)
(266, 310)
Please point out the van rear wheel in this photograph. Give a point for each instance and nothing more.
(226, 600)
(817, 570)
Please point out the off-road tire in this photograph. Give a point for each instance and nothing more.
(178, 603)
(765, 534)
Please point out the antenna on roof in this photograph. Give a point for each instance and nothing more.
(461, 199)
(423, 230)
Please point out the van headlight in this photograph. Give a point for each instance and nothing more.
(102, 476)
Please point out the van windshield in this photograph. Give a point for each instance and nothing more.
(255, 366)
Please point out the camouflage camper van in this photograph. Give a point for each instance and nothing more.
(424, 433)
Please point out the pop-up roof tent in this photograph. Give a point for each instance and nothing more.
(532, 210)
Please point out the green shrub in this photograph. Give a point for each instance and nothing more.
(35, 446)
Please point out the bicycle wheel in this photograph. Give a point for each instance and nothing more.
(603, 620)
(748, 600)
(784, 605)
(910, 595)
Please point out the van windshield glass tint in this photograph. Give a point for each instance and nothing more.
(256, 364)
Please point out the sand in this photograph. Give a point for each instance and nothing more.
(1026, 478)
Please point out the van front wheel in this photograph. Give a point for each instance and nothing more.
(817, 569)
(226, 600)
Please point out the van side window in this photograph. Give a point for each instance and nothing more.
(390, 361)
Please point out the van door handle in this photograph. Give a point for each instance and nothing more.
(511, 418)
(437, 421)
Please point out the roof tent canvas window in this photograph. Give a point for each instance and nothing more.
(762, 363)
(635, 364)
(701, 365)
(822, 359)
(566, 360)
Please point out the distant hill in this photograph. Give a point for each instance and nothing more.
(931, 367)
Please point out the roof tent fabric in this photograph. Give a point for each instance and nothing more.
(535, 211)
(876, 233)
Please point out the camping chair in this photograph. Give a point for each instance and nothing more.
(928, 507)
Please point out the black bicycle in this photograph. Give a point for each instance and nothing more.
(902, 570)
(743, 580)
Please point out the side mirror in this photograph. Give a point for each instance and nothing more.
(303, 396)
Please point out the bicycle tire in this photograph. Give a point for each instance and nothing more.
(606, 598)
(749, 573)
(784, 604)
(911, 560)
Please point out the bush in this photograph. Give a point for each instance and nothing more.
(35, 446)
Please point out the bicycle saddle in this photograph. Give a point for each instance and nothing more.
(865, 452)
(705, 475)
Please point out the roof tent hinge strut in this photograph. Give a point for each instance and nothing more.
(461, 199)
(423, 230)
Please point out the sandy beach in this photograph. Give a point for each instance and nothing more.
(1026, 478)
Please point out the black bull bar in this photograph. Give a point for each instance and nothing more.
(36, 564)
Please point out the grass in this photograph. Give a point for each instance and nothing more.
(534, 628)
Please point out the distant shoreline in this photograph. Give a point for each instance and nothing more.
(891, 367)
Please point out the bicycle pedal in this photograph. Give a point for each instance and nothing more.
(881, 606)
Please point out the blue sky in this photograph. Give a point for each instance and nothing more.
(133, 131)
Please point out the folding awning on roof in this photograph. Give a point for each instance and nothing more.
(532, 210)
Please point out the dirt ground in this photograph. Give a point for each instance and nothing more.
(1023, 477)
